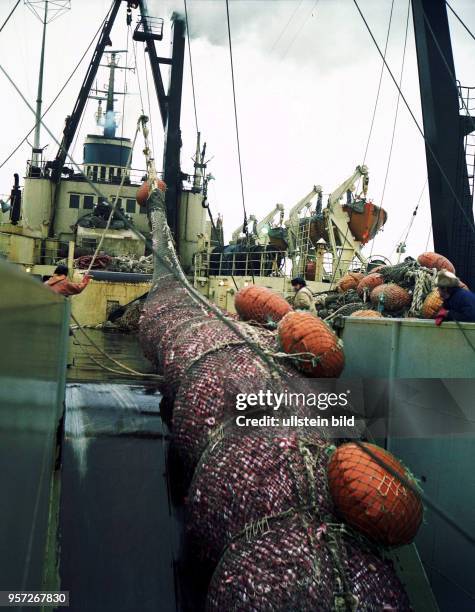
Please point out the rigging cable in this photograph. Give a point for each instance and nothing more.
(394, 125)
(294, 12)
(128, 371)
(299, 30)
(210, 216)
(245, 227)
(7, 159)
(380, 82)
(460, 20)
(428, 236)
(9, 15)
(369, 136)
(126, 70)
(405, 234)
(420, 130)
(191, 66)
(134, 47)
(148, 104)
(414, 213)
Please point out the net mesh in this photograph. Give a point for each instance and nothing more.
(299, 563)
(242, 479)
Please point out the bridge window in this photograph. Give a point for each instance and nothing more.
(130, 206)
(88, 202)
(73, 200)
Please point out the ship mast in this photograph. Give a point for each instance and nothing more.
(51, 11)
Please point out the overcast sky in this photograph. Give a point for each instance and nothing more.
(306, 80)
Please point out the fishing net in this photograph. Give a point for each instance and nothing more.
(287, 563)
(242, 479)
(193, 340)
(299, 563)
(207, 395)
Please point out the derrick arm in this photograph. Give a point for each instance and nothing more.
(72, 121)
(348, 185)
(269, 217)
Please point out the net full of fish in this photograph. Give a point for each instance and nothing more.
(299, 563)
(250, 492)
(245, 478)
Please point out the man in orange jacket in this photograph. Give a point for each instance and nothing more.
(59, 282)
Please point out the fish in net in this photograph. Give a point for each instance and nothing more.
(299, 563)
(287, 563)
(207, 394)
(243, 478)
(195, 338)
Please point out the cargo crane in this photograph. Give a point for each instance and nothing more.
(339, 229)
(262, 229)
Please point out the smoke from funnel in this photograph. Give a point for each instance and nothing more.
(110, 124)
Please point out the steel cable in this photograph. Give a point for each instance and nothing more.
(369, 135)
(394, 123)
(59, 92)
(9, 15)
(419, 128)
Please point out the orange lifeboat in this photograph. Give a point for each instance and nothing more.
(366, 219)
(366, 224)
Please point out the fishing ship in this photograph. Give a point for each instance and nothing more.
(136, 492)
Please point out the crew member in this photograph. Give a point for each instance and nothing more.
(59, 282)
(303, 299)
(459, 303)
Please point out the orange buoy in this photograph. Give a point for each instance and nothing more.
(434, 260)
(393, 297)
(432, 304)
(302, 332)
(349, 281)
(369, 282)
(370, 498)
(366, 314)
(143, 192)
(260, 304)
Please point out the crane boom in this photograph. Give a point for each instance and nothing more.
(349, 185)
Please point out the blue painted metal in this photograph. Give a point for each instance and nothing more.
(112, 154)
(34, 334)
(404, 348)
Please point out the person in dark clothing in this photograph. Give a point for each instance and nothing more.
(459, 302)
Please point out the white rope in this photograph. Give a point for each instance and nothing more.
(424, 282)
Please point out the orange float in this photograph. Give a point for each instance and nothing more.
(393, 296)
(260, 304)
(302, 332)
(370, 498)
(349, 281)
(143, 192)
(434, 260)
(366, 314)
(432, 304)
(369, 282)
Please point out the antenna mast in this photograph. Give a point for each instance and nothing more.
(51, 9)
